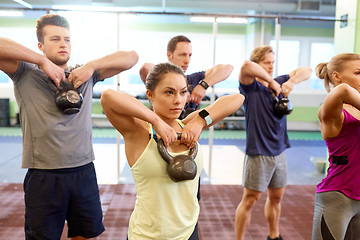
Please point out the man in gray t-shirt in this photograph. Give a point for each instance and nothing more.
(57, 148)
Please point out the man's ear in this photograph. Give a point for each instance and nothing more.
(169, 56)
(41, 46)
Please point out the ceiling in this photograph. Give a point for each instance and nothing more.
(284, 7)
(300, 9)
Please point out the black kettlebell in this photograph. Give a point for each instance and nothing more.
(181, 167)
(282, 106)
(67, 98)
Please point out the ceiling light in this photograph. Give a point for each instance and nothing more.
(127, 17)
(4, 13)
(219, 19)
(23, 3)
(89, 8)
(202, 19)
(232, 20)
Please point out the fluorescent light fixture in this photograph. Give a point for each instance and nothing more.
(23, 3)
(232, 20)
(127, 17)
(4, 13)
(89, 8)
(219, 19)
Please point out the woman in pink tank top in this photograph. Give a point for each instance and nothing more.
(337, 199)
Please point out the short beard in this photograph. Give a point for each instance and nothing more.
(60, 62)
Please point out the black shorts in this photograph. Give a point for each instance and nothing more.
(53, 196)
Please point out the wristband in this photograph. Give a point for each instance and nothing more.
(205, 115)
(204, 84)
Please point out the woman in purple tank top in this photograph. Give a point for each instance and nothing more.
(337, 199)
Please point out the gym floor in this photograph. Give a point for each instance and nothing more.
(221, 188)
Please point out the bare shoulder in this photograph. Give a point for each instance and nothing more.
(136, 142)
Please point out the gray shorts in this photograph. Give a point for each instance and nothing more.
(262, 172)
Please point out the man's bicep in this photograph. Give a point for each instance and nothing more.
(9, 66)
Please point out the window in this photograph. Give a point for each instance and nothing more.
(17, 34)
(288, 56)
(230, 50)
(320, 52)
(3, 77)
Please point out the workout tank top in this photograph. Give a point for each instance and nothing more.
(344, 157)
(164, 210)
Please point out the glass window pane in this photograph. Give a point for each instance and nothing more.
(4, 78)
(224, 46)
(288, 55)
(320, 52)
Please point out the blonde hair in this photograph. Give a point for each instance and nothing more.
(326, 69)
(258, 54)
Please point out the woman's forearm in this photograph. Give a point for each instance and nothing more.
(225, 106)
(121, 103)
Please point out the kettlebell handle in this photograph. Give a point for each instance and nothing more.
(166, 155)
(275, 98)
(64, 84)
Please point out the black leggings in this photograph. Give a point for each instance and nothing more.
(194, 235)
